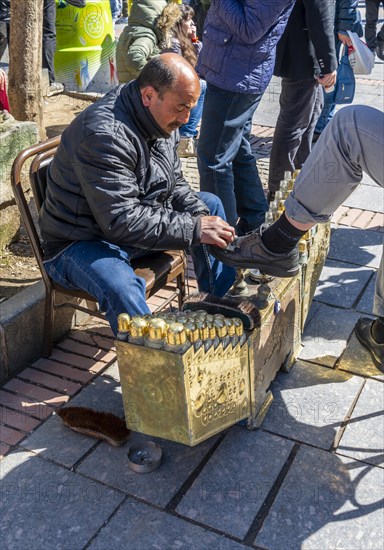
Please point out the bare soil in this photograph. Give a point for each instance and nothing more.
(18, 267)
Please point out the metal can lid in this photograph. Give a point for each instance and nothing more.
(144, 457)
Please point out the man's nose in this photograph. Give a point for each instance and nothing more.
(184, 117)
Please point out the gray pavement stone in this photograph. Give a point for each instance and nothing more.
(232, 487)
(55, 441)
(359, 246)
(367, 197)
(326, 501)
(138, 527)
(365, 304)
(113, 372)
(325, 335)
(310, 403)
(46, 506)
(363, 437)
(110, 466)
(341, 283)
(357, 360)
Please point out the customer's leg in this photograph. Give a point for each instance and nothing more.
(297, 100)
(212, 275)
(378, 302)
(49, 37)
(221, 134)
(371, 17)
(104, 271)
(351, 144)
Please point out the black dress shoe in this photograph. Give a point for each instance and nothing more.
(363, 331)
(249, 251)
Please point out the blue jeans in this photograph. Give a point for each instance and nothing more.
(116, 8)
(226, 163)
(190, 129)
(104, 271)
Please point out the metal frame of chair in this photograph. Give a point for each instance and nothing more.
(157, 269)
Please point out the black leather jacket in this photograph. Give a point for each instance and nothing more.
(116, 177)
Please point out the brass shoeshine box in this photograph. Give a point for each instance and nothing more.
(186, 397)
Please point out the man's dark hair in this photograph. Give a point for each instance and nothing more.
(157, 74)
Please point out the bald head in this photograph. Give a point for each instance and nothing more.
(168, 71)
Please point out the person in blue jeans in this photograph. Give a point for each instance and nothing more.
(347, 18)
(115, 191)
(237, 59)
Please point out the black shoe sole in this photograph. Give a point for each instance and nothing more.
(376, 359)
(271, 270)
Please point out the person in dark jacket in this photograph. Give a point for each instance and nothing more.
(116, 191)
(305, 59)
(5, 16)
(239, 44)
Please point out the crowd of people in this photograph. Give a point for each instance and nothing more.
(125, 194)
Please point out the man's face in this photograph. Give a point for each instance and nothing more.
(172, 109)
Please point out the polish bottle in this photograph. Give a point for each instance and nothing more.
(123, 326)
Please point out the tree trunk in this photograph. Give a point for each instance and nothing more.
(25, 58)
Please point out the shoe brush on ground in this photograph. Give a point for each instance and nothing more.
(105, 426)
(242, 308)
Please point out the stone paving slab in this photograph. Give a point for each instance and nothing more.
(46, 506)
(340, 284)
(326, 501)
(372, 197)
(362, 246)
(55, 441)
(232, 487)
(365, 304)
(310, 403)
(326, 334)
(357, 360)
(363, 438)
(110, 465)
(136, 526)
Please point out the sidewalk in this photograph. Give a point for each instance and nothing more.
(311, 478)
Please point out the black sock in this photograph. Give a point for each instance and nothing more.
(377, 330)
(281, 236)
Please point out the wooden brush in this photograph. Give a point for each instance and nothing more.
(105, 426)
(245, 309)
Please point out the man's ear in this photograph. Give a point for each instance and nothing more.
(148, 94)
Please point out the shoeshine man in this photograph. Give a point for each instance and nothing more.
(352, 143)
(115, 191)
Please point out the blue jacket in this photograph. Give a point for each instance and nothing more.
(239, 39)
(346, 16)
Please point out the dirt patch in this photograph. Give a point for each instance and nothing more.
(18, 267)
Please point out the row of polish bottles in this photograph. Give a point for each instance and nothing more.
(178, 331)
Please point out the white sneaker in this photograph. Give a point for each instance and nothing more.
(187, 147)
(54, 89)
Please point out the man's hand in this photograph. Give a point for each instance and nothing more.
(344, 38)
(2, 79)
(214, 230)
(327, 80)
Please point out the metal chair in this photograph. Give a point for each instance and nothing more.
(158, 269)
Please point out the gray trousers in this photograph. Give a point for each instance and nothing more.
(301, 102)
(352, 143)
